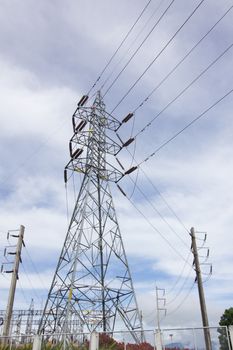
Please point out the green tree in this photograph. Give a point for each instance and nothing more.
(225, 320)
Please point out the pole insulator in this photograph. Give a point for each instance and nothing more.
(127, 143)
(127, 118)
(65, 175)
(77, 153)
(70, 148)
(83, 100)
(131, 170)
(80, 126)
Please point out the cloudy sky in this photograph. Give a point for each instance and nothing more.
(51, 53)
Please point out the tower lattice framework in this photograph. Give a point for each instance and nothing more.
(92, 281)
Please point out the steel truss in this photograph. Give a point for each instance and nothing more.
(92, 279)
(24, 325)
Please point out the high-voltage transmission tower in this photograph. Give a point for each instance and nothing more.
(92, 280)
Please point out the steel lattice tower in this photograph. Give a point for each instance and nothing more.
(92, 280)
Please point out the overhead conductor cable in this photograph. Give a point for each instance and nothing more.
(131, 114)
(185, 89)
(128, 50)
(115, 53)
(153, 226)
(139, 47)
(157, 56)
(185, 127)
(179, 94)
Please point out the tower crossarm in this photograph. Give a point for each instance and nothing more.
(92, 145)
(82, 115)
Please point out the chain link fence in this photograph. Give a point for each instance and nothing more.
(166, 339)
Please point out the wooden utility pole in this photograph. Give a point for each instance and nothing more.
(14, 277)
(205, 321)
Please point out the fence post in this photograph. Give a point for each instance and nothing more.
(94, 341)
(195, 339)
(37, 342)
(158, 340)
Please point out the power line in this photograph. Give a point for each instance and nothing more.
(186, 260)
(183, 300)
(165, 201)
(164, 238)
(179, 132)
(134, 184)
(22, 292)
(152, 225)
(132, 43)
(185, 89)
(179, 276)
(34, 290)
(157, 150)
(157, 56)
(181, 288)
(159, 214)
(184, 128)
(158, 192)
(153, 312)
(139, 47)
(35, 269)
(121, 44)
(181, 61)
(179, 220)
